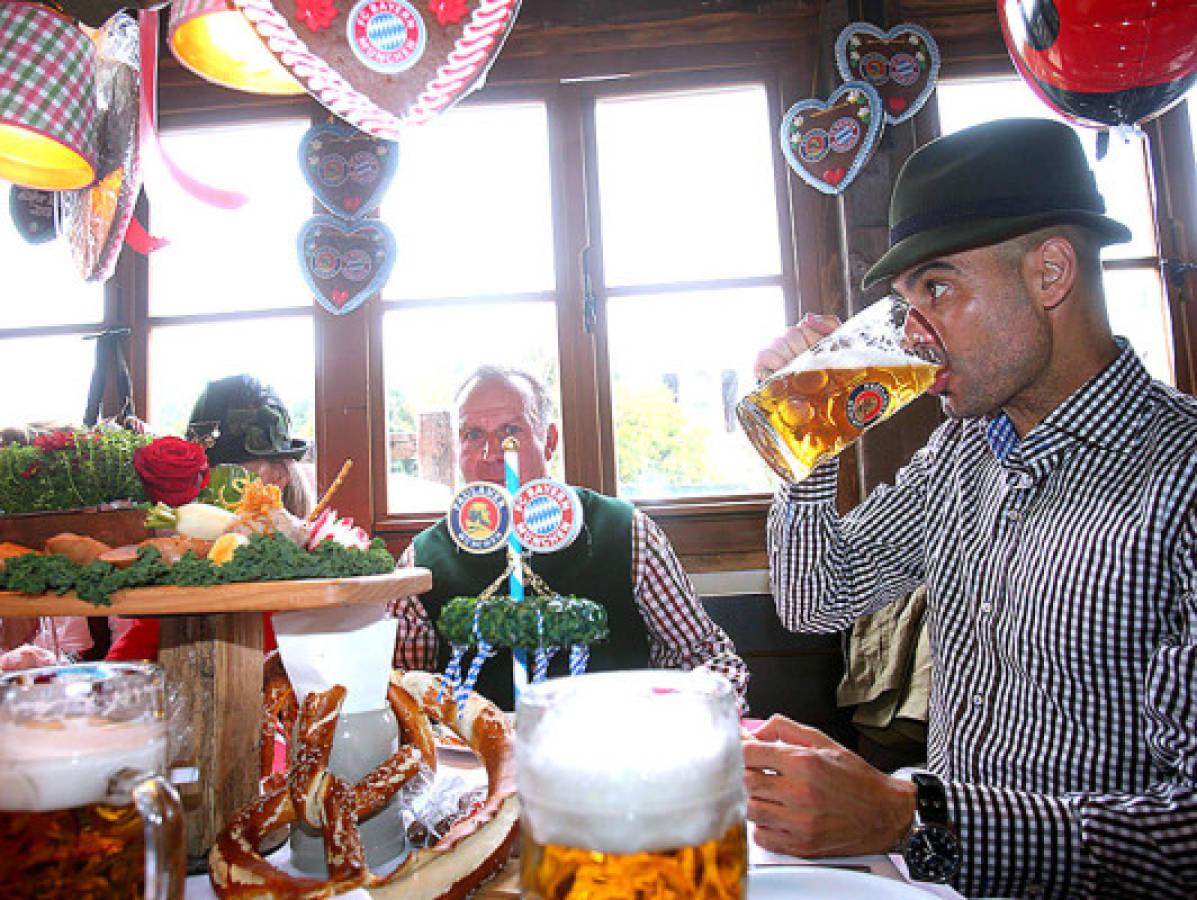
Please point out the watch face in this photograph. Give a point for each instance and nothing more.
(932, 853)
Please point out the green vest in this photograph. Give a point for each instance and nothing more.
(596, 566)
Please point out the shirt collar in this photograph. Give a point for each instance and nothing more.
(1104, 412)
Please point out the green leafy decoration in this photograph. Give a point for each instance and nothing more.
(504, 622)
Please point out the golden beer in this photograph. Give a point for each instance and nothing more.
(712, 870)
(797, 419)
(80, 747)
(631, 784)
(90, 852)
(838, 388)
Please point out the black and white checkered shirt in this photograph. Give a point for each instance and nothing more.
(1062, 608)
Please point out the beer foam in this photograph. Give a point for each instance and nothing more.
(630, 765)
(64, 763)
(858, 357)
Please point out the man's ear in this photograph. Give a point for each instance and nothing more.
(550, 441)
(1054, 271)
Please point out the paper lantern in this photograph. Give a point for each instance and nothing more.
(1104, 62)
(47, 99)
(216, 42)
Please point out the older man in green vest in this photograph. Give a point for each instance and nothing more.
(621, 559)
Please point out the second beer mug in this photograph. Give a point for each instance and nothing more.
(823, 400)
(631, 784)
(84, 808)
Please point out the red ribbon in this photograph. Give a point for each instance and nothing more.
(212, 196)
(142, 241)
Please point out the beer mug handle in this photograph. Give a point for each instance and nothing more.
(161, 812)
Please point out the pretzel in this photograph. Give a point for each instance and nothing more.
(473, 849)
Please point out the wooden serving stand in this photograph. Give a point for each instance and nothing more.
(211, 651)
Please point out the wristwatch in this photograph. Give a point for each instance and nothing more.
(932, 848)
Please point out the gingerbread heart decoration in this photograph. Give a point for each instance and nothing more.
(828, 143)
(348, 171)
(345, 262)
(34, 213)
(384, 64)
(902, 64)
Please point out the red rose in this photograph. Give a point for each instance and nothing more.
(55, 440)
(173, 470)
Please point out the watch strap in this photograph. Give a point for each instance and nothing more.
(931, 799)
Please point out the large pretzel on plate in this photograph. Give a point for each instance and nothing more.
(473, 849)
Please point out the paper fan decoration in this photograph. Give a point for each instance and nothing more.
(95, 219)
(384, 64)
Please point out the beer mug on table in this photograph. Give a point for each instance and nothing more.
(838, 388)
(84, 808)
(631, 784)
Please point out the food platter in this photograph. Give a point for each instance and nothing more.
(254, 596)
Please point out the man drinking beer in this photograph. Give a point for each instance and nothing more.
(1053, 519)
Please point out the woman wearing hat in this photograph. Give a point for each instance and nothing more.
(241, 421)
(1053, 520)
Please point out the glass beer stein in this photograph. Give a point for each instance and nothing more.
(84, 808)
(838, 388)
(631, 784)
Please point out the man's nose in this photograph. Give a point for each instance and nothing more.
(916, 328)
(493, 447)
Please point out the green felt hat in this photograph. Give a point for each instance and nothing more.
(240, 420)
(986, 184)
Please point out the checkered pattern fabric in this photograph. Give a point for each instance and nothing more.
(1062, 611)
(47, 76)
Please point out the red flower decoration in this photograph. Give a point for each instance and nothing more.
(172, 470)
(55, 440)
(448, 12)
(316, 14)
(33, 469)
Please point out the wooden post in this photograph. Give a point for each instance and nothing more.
(215, 661)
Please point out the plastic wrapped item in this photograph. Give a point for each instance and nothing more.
(95, 218)
(432, 806)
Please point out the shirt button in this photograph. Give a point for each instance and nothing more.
(978, 700)
(1013, 515)
(986, 608)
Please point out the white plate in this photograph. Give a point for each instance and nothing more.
(777, 882)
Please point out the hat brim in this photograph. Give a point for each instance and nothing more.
(964, 236)
(220, 455)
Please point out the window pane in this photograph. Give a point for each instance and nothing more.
(686, 186)
(279, 352)
(470, 205)
(676, 431)
(1135, 303)
(427, 354)
(41, 286)
(1121, 175)
(46, 378)
(227, 260)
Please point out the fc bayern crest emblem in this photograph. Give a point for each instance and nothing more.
(546, 515)
(387, 36)
(479, 518)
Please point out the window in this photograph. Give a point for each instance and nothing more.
(1134, 290)
(473, 282)
(680, 249)
(45, 363)
(692, 266)
(227, 294)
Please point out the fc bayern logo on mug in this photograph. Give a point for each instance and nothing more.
(546, 515)
(387, 36)
(479, 518)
